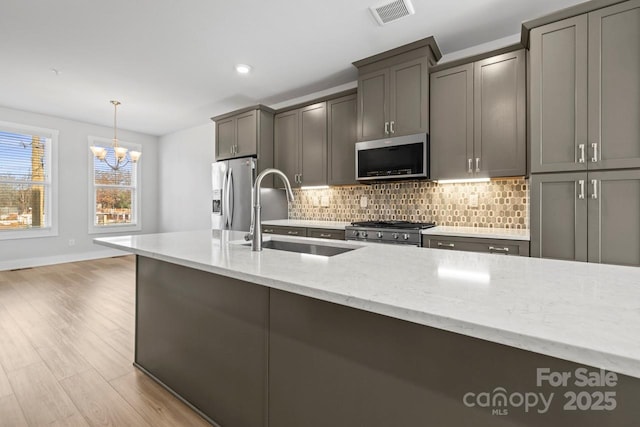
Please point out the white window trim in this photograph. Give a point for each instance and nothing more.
(52, 153)
(137, 210)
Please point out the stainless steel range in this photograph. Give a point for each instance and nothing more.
(394, 232)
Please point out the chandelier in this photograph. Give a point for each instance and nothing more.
(121, 157)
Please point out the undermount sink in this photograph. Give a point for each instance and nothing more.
(305, 248)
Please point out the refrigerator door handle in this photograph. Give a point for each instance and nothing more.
(230, 197)
(223, 210)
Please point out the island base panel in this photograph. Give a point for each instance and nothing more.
(338, 366)
(205, 337)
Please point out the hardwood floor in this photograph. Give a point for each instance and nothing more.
(66, 350)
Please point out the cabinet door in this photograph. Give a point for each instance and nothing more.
(373, 94)
(452, 122)
(558, 102)
(500, 115)
(408, 98)
(313, 144)
(341, 133)
(614, 217)
(614, 86)
(225, 138)
(286, 145)
(559, 216)
(247, 134)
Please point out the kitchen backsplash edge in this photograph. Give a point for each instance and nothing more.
(502, 203)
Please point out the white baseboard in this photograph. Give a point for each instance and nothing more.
(59, 259)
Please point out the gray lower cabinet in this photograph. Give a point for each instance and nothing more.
(582, 216)
(300, 144)
(287, 231)
(476, 244)
(585, 91)
(341, 140)
(320, 233)
(478, 118)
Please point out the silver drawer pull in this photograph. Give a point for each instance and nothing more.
(325, 235)
(499, 250)
(267, 230)
(293, 233)
(446, 245)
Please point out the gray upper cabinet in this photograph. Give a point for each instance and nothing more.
(341, 140)
(301, 144)
(585, 91)
(393, 91)
(246, 132)
(286, 145)
(558, 98)
(614, 86)
(373, 95)
(500, 116)
(394, 101)
(452, 122)
(313, 145)
(478, 118)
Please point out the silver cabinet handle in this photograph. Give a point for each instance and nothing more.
(470, 162)
(594, 182)
(499, 250)
(392, 130)
(581, 193)
(477, 164)
(300, 178)
(581, 158)
(267, 230)
(293, 233)
(594, 159)
(446, 245)
(325, 235)
(386, 128)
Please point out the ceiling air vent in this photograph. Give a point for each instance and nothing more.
(393, 11)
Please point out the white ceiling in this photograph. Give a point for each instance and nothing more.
(171, 62)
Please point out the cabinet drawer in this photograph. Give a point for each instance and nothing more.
(325, 234)
(497, 246)
(287, 231)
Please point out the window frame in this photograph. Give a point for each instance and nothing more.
(51, 187)
(136, 211)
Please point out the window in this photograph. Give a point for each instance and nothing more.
(115, 194)
(27, 184)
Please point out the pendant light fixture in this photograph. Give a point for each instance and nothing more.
(121, 157)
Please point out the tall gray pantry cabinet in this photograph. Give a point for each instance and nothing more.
(585, 137)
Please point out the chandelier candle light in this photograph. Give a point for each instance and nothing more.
(121, 157)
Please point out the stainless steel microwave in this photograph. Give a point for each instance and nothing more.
(402, 157)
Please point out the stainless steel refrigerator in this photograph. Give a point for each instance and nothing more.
(231, 207)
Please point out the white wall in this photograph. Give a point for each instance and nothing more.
(73, 190)
(185, 179)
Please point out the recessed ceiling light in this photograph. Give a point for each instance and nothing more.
(243, 68)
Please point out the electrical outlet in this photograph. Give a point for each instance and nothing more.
(473, 200)
(72, 242)
(324, 201)
(316, 201)
(364, 201)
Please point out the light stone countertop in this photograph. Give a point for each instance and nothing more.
(482, 232)
(582, 312)
(331, 225)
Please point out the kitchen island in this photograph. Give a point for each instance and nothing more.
(381, 335)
